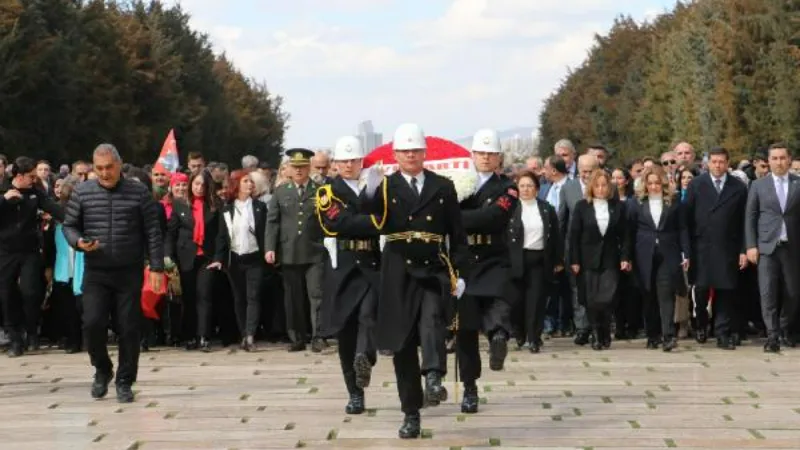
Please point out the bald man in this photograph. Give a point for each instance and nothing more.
(684, 154)
(571, 193)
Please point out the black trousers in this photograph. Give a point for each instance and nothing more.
(659, 299)
(198, 290)
(780, 291)
(302, 285)
(247, 276)
(429, 332)
(116, 291)
(65, 309)
(22, 312)
(725, 310)
(628, 310)
(530, 304)
(356, 338)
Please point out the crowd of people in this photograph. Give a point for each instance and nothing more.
(315, 250)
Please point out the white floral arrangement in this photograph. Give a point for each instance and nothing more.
(461, 171)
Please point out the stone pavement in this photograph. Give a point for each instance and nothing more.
(563, 398)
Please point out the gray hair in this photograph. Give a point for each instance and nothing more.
(107, 149)
(249, 162)
(565, 143)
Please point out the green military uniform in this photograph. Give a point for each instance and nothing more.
(293, 233)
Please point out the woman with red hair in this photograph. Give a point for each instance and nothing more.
(240, 248)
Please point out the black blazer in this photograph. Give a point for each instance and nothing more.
(595, 251)
(224, 236)
(179, 243)
(553, 242)
(670, 233)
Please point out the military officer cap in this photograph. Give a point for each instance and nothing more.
(299, 156)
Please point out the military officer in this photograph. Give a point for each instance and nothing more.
(416, 210)
(352, 278)
(293, 239)
(485, 215)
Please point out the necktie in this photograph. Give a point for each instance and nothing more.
(782, 194)
(301, 190)
(718, 184)
(414, 186)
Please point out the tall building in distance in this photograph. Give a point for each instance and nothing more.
(368, 137)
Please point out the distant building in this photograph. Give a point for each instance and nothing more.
(368, 137)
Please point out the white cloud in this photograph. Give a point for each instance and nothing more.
(479, 63)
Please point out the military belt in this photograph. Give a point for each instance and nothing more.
(355, 245)
(419, 236)
(481, 239)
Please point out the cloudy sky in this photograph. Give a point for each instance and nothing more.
(453, 66)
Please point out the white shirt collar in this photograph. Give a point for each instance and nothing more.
(723, 178)
(784, 178)
(420, 177)
(353, 184)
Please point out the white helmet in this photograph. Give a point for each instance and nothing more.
(486, 140)
(409, 136)
(348, 147)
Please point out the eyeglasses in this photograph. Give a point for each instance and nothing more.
(669, 162)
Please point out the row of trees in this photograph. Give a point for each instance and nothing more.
(75, 73)
(711, 72)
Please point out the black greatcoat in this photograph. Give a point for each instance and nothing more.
(716, 230)
(346, 286)
(435, 211)
(487, 213)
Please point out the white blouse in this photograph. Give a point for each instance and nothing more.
(243, 234)
(601, 214)
(656, 207)
(533, 234)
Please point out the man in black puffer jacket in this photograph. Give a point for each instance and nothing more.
(114, 220)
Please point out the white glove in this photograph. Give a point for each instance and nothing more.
(374, 178)
(461, 286)
(330, 244)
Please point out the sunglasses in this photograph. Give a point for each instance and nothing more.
(668, 162)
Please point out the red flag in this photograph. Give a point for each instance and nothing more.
(168, 159)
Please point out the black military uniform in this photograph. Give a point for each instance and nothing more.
(484, 306)
(418, 279)
(350, 288)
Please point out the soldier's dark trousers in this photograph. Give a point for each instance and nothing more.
(120, 291)
(495, 316)
(22, 311)
(355, 338)
(725, 307)
(302, 298)
(429, 332)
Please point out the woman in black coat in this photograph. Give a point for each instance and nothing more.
(191, 238)
(599, 251)
(536, 253)
(240, 248)
(662, 251)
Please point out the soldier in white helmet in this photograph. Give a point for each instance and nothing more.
(352, 276)
(484, 307)
(417, 211)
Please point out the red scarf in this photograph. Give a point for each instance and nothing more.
(199, 224)
(166, 201)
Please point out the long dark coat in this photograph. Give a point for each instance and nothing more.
(716, 229)
(487, 213)
(356, 278)
(436, 210)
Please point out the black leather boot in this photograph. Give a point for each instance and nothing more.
(356, 404)
(435, 393)
(469, 404)
(100, 384)
(411, 427)
(498, 350)
(124, 393)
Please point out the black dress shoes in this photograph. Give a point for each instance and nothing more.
(124, 393)
(411, 427)
(772, 345)
(700, 336)
(581, 338)
(297, 346)
(435, 393)
(670, 344)
(726, 343)
(355, 405)
(316, 345)
(498, 350)
(100, 384)
(469, 404)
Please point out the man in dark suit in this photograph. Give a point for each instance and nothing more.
(352, 276)
(293, 239)
(485, 215)
(715, 204)
(573, 192)
(771, 235)
(420, 274)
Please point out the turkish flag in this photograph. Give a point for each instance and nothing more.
(168, 160)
